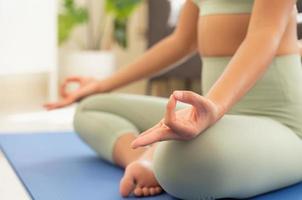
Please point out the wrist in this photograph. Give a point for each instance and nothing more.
(220, 110)
(103, 86)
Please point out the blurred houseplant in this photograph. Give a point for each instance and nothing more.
(95, 57)
(73, 15)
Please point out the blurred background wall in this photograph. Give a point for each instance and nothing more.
(30, 70)
(27, 53)
(33, 61)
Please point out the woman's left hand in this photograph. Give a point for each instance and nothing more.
(183, 124)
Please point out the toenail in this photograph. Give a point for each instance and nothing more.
(152, 191)
(138, 191)
(146, 191)
(158, 189)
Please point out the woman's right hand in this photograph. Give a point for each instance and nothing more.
(87, 86)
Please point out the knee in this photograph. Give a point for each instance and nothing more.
(79, 118)
(79, 112)
(91, 103)
(213, 164)
(192, 170)
(96, 102)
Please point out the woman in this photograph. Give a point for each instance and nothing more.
(241, 139)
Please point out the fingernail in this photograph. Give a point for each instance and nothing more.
(132, 146)
(177, 94)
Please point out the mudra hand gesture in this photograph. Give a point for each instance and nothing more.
(87, 86)
(183, 124)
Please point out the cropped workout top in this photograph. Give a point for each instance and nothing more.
(210, 7)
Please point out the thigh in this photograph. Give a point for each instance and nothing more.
(143, 111)
(239, 157)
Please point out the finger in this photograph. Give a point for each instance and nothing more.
(52, 106)
(68, 80)
(60, 104)
(150, 138)
(63, 88)
(187, 97)
(63, 92)
(192, 98)
(49, 105)
(170, 111)
(159, 125)
(150, 129)
(74, 79)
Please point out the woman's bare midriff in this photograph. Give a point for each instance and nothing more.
(221, 35)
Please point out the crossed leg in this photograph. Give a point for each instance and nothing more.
(238, 157)
(110, 122)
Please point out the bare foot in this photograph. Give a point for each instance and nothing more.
(139, 179)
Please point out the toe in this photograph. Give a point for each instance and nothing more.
(126, 185)
(146, 191)
(158, 190)
(138, 192)
(152, 191)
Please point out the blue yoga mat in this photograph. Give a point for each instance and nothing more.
(59, 166)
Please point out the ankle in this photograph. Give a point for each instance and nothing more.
(149, 152)
(123, 154)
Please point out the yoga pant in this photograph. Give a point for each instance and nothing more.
(253, 149)
(101, 119)
(277, 95)
(214, 7)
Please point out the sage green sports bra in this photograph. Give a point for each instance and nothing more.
(210, 7)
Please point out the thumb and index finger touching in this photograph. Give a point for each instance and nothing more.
(73, 79)
(192, 98)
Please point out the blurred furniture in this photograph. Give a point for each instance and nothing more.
(299, 25)
(299, 19)
(186, 72)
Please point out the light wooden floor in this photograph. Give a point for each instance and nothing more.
(39, 121)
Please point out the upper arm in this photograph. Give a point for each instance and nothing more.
(269, 19)
(186, 30)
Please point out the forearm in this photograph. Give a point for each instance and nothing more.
(246, 67)
(162, 55)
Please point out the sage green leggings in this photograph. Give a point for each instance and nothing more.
(240, 156)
